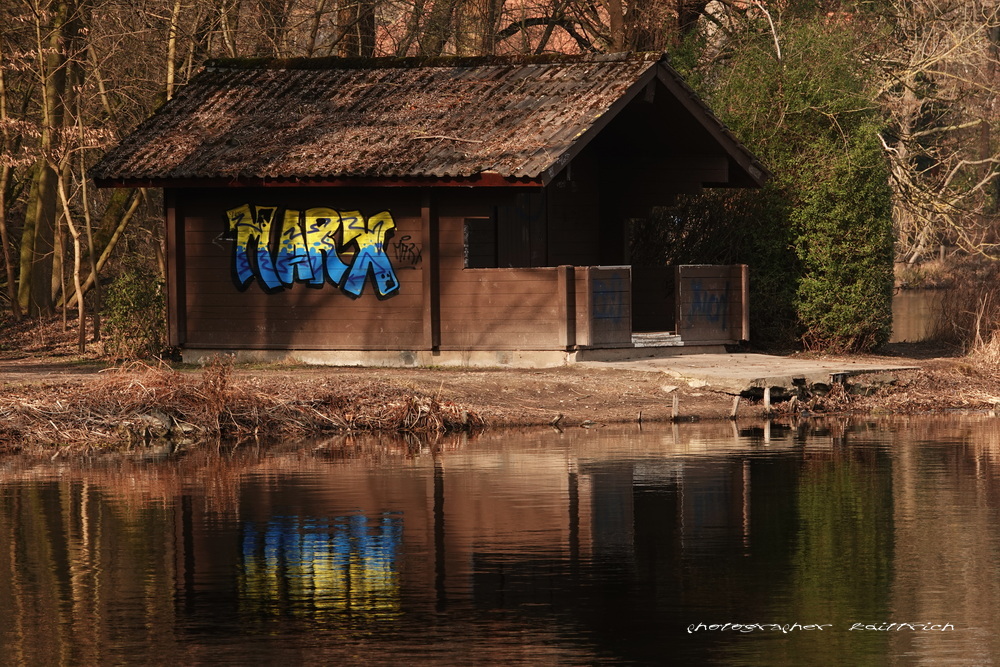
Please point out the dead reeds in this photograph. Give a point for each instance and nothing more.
(140, 404)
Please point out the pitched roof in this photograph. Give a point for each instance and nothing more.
(261, 120)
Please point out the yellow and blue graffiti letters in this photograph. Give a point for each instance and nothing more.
(252, 230)
(370, 255)
(321, 236)
(309, 251)
(292, 261)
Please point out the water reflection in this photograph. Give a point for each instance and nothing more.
(597, 546)
(314, 566)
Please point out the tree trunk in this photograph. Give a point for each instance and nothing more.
(357, 24)
(112, 242)
(6, 173)
(438, 28)
(35, 293)
(35, 289)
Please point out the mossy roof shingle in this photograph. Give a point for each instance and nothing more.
(382, 118)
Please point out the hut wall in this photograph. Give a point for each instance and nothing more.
(317, 282)
(326, 287)
(496, 308)
(574, 235)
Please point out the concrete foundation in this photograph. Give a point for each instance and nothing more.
(449, 358)
(389, 358)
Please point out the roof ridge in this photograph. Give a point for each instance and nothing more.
(332, 62)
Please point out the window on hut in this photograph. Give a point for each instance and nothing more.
(515, 237)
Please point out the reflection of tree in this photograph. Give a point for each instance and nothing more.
(62, 603)
(843, 558)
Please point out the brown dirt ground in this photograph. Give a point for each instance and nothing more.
(44, 355)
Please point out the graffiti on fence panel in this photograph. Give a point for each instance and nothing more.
(709, 304)
(607, 299)
(314, 247)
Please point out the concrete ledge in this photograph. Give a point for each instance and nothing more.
(388, 358)
(643, 353)
(753, 373)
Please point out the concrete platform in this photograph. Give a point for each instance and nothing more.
(743, 373)
(695, 365)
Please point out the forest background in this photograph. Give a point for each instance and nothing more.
(877, 118)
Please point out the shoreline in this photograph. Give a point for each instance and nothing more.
(67, 405)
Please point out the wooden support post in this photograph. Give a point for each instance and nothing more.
(767, 399)
(745, 284)
(675, 413)
(585, 333)
(736, 406)
(431, 277)
(567, 299)
(176, 251)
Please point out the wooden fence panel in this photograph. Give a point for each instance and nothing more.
(503, 309)
(604, 306)
(712, 303)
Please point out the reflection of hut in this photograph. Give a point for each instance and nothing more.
(455, 211)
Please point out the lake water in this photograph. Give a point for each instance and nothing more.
(603, 546)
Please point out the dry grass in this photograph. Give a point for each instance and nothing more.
(141, 404)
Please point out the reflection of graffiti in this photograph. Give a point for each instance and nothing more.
(711, 305)
(309, 250)
(607, 299)
(406, 252)
(309, 566)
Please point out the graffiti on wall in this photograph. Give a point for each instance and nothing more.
(710, 304)
(607, 299)
(406, 252)
(315, 247)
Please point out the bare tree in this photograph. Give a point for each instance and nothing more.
(6, 178)
(939, 96)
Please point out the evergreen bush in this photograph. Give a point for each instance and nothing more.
(818, 238)
(135, 314)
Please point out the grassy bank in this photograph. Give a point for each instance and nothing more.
(139, 405)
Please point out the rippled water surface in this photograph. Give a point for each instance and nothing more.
(591, 546)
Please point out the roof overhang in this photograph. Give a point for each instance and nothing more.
(749, 171)
(485, 179)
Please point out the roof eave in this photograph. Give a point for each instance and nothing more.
(581, 142)
(756, 174)
(483, 179)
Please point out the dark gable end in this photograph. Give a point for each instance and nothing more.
(485, 121)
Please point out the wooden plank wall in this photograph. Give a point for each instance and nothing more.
(712, 303)
(478, 309)
(219, 314)
(494, 309)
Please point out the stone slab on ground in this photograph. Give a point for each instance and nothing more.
(740, 372)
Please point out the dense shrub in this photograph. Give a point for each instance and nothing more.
(818, 238)
(844, 241)
(135, 314)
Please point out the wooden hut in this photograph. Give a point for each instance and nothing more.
(414, 211)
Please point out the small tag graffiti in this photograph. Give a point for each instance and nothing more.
(315, 247)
